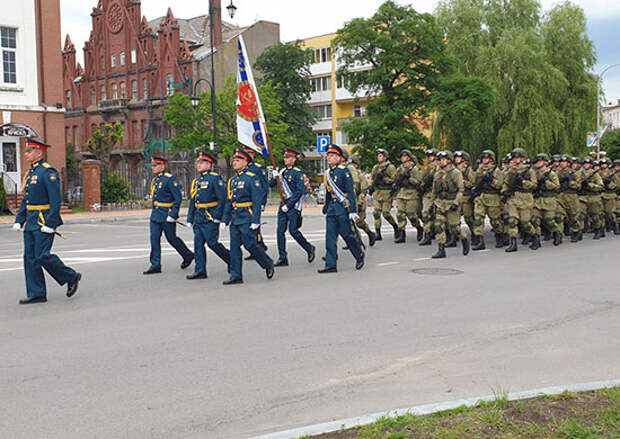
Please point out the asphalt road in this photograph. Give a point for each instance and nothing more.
(162, 357)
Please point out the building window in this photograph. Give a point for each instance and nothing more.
(145, 127)
(103, 95)
(76, 137)
(122, 58)
(123, 91)
(145, 89)
(324, 111)
(114, 91)
(113, 61)
(169, 82)
(358, 111)
(68, 96)
(102, 63)
(68, 135)
(134, 57)
(323, 83)
(135, 132)
(344, 81)
(323, 55)
(9, 48)
(93, 96)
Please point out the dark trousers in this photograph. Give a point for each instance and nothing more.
(170, 230)
(241, 234)
(339, 225)
(290, 220)
(208, 234)
(37, 256)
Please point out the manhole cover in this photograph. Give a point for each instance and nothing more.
(437, 271)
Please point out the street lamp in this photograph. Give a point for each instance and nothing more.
(232, 9)
(598, 108)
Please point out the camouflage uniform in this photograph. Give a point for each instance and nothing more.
(407, 183)
(467, 205)
(615, 186)
(427, 197)
(590, 198)
(382, 177)
(360, 185)
(568, 200)
(488, 180)
(608, 196)
(545, 203)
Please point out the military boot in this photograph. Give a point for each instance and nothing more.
(474, 240)
(602, 230)
(499, 240)
(371, 238)
(597, 234)
(547, 234)
(401, 237)
(451, 243)
(557, 238)
(396, 231)
(378, 235)
(441, 252)
(506, 237)
(480, 244)
(535, 245)
(609, 226)
(513, 246)
(575, 237)
(526, 238)
(617, 229)
(420, 230)
(427, 239)
(465, 244)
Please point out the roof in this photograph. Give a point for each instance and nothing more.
(195, 31)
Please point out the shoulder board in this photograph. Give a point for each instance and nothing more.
(213, 173)
(258, 165)
(251, 174)
(297, 169)
(46, 165)
(342, 167)
(168, 174)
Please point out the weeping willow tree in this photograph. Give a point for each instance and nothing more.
(544, 98)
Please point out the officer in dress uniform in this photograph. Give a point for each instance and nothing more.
(340, 209)
(261, 173)
(166, 193)
(206, 207)
(39, 216)
(242, 212)
(289, 213)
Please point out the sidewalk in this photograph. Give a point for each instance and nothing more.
(128, 215)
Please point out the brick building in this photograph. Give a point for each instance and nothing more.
(129, 66)
(31, 70)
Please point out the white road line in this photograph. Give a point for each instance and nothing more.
(385, 264)
(421, 259)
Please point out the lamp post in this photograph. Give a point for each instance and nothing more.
(598, 108)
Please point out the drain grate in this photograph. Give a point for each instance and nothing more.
(437, 271)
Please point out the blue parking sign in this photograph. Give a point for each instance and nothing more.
(323, 142)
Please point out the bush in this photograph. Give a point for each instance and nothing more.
(115, 189)
(3, 205)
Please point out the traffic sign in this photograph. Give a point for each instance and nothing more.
(323, 142)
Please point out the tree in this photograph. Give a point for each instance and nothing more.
(611, 144)
(404, 56)
(286, 67)
(103, 142)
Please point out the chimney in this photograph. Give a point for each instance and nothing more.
(217, 22)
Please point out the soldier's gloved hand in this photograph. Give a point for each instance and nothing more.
(189, 225)
(454, 208)
(324, 208)
(254, 226)
(275, 173)
(217, 221)
(284, 208)
(354, 216)
(46, 229)
(17, 227)
(169, 219)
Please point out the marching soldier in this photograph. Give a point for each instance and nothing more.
(609, 195)
(289, 213)
(462, 160)
(382, 177)
(166, 194)
(39, 217)
(344, 160)
(206, 206)
(615, 186)
(426, 189)
(407, 183)
(261, 173)
(340, 209)
(242, 213)
(488, 181)
(361, 185)
(590, 197)
(519, 182)
(447, 193)
(545, 202)
(568, 200)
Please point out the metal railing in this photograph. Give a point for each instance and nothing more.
(13, 185)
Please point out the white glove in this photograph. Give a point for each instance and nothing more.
(254, 226)
(189, 225)
(354, 216)
(216, 221)
(284, 208)
(275, 173)
(46, 229)
(169, 219)
(17, 227)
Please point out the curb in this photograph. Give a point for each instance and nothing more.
(329, 427)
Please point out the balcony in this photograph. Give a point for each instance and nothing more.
(113, 105)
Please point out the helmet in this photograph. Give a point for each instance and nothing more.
(586, 160)
(519, 152)
(463, 154)
(617, 162)
(354, 159)
(565, 158)
(430, 152)
(596, 163)
(527, 161)
(345, 154)
(446, 154)
(407, 153)
(507, 158)
(539, 157)
(487, 153)
(383, 151)
(555, 158)
(575, 159)
(605, 160)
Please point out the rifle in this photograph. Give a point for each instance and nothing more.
(564, 182)
(541, 185)
(428, 184)
(400, 182)
(483, 184)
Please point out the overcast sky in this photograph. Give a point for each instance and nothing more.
(301, 19)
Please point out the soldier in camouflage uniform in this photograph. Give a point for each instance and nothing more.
(382, 177)
(615, 186)
(590, 197)
(568, 200)
(427, 197)
(360, 184)
(545, 202)
(488, 180)
(407, 183)
(609, 195)
(462, 160)
(519, 182)
(446, 195)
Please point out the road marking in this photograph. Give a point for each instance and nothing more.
(385, 264)
(421, 259)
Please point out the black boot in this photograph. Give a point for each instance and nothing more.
(378, 235)
(451, 243)
(371, 238)
(597, 234)
(535, 245)
(617, 229)
(420, 230)
(474, 240)
(609, 226)
(402, 237)
(547, 234)
(603, 234)
(499, 240)
(396, 231)
(465, 244)
(506, 237)
(557, 238)
(574, 237)
(427, 239)
(480, 244)
(441, 252)
(526, 239)
(513, 246)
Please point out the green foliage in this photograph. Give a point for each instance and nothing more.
(407, 57)
(115, 189)
(2, 195)
(287, 68)
(611, 144)
(103, 142)
(71, 162)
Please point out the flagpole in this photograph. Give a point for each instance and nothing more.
(273, 163)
